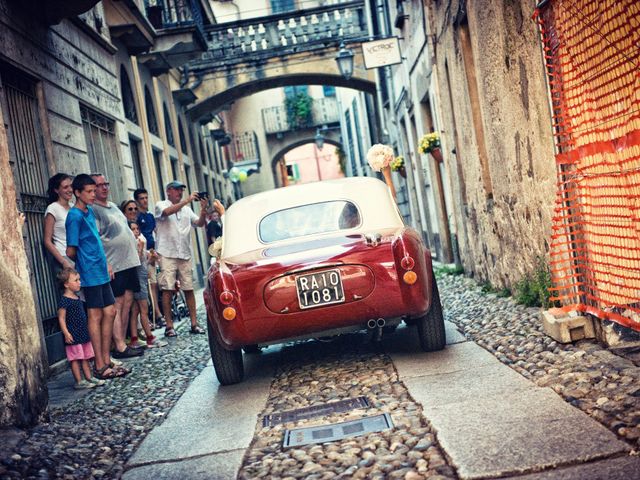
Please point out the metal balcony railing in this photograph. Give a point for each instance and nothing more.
(281, 34)
(244, 147)
(166, 14)
(323, 112)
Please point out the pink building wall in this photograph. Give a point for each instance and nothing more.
(314, 164)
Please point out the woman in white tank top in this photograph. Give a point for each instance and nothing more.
(55, 236)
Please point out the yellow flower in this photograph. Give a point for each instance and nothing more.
(429, 142)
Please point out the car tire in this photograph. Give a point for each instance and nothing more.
(252, 349)
(228, 364)
(431, 326)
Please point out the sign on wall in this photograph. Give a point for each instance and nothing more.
(380, 53)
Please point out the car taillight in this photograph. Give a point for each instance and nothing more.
(229, 313)
(407, 262)
(410, 277)
(226, 297)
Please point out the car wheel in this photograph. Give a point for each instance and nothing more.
(431, 326)
(252, 349)
(227, 363)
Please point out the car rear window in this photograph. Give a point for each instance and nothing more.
(309, 219)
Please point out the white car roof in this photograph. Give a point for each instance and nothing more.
(372, 197)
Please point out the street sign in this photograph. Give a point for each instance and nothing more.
(380, 53)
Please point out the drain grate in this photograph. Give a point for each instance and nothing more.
(315, 411)
(336, 431)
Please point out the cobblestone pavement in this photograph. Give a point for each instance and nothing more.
(604, 385)
(93, 436)
(314, 373)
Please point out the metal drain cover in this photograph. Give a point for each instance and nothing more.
(336, 431)
(315, 411)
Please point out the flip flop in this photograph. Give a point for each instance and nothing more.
(170, 332)
(197, 329)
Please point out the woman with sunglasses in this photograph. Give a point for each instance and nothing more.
(130, 210)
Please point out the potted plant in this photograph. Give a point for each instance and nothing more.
(398, 166)
(299, 110)
(430, 143)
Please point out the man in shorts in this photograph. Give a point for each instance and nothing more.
(122, 256)
(174, 219)
(85, 248)
(147, 225)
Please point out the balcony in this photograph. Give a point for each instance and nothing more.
(245, 152)
(179, 26)
(255, 39)
(324, 111)
(127, 22)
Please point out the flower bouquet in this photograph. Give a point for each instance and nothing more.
(380, 157)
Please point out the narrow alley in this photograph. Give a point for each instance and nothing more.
(139, 427)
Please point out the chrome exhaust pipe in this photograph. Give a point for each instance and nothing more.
(371, 324)
(380, 322)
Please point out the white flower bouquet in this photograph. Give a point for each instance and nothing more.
(380, 156)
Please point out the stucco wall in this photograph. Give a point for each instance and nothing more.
(500, 237)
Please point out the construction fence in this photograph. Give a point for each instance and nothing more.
(592, 56)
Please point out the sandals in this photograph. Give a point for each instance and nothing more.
(197, 329)
(119, 368)
(170, 332)
(114, 372)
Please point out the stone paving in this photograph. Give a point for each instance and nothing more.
(603, 385)
(315, 373)
(93, 437)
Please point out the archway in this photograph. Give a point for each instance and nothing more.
(278, 157)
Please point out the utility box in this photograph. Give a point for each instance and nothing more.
(566, 327)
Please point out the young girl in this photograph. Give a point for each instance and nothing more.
(73, 323)
(141, 304)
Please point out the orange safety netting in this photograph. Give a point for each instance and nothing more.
(592, 56)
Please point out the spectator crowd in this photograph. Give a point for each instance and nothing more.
(119, 267)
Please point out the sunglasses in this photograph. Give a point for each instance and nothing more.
(132, 209)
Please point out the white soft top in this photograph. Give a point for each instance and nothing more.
(372, 197)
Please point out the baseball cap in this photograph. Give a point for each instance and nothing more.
(176, 184)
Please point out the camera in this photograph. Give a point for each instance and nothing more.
(202, 195)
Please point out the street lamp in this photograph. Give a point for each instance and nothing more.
(319, 138)
(345, 61)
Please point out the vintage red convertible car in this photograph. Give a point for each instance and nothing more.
(317, 260)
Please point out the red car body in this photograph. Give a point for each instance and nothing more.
(315, 285)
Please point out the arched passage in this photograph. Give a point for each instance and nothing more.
(279, 155)
(214, 102)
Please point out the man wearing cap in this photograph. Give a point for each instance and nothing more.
(174, 219)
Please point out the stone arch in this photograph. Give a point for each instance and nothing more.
(298, 143)
(214, 96)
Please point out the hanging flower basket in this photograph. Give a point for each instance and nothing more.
(398, 166)
(437, 154)
(430, 143)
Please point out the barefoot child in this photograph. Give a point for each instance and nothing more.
(73, 323)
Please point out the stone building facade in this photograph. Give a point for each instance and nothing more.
(86, 86)
(478, 80)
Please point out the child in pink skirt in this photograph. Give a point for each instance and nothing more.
(73, 323)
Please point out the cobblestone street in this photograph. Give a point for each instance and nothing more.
(95, 435)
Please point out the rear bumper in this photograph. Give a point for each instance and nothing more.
(269, 328)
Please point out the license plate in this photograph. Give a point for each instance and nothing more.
(319, 288)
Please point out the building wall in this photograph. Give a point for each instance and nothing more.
(74, 65)
(67, 76)
(504, 214)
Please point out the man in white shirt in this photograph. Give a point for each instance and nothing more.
(174, 220)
